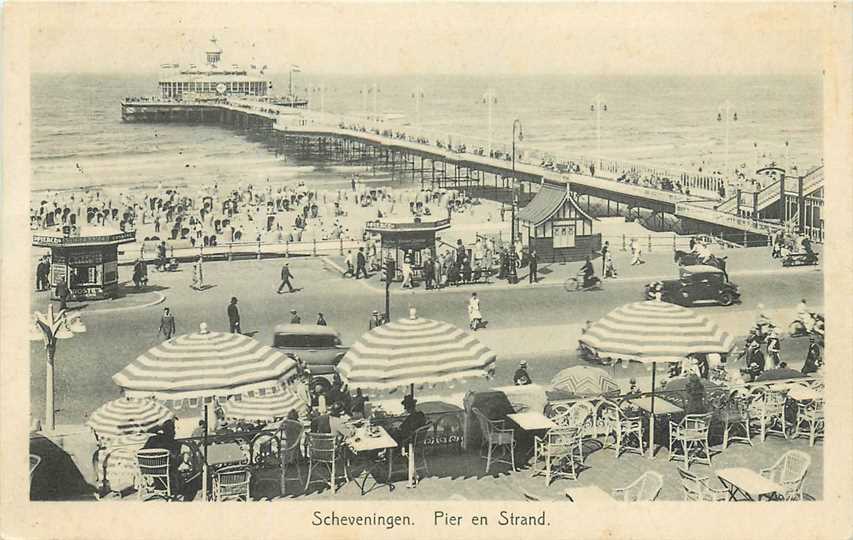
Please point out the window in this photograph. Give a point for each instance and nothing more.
(564, 236)
(303, 341)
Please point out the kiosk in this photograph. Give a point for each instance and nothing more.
(412, 236)
(85, 257)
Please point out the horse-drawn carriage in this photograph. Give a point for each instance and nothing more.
(688, 258)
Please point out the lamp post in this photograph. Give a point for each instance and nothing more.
(50, 327)
(598, 106)
(513, 273)
(724, 112)
(293, 69)
(490, 98)
(418, 94)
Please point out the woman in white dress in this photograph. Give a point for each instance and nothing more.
(475, 318)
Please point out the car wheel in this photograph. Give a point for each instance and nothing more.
(323, 382)
(726, 299)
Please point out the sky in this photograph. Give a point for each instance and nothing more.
(434, 38)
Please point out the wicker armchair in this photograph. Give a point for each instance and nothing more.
(696, 488)
(772, 415)
(624, 427)
(645, 488)
(154, 480)
(232, 484)
(495, 435)
(325, 451)
(558, 454)
(691, 434)
(789, 471)
(735, 416)
(809, 420)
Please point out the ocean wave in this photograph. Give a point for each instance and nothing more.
(114, 152)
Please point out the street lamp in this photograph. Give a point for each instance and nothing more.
(50, 327)
(513, 274)
(755, 148)
(418, 95)
(293, 69)
(490, 98)
(598, 106)
(724, 112)
(372, 89)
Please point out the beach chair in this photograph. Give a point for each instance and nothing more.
(324, 451)
(696, 488)
(496, 436)
(789, 471)
(232, 484)
(645, 488)
(735, 416)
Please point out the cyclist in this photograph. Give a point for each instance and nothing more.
(588, 273)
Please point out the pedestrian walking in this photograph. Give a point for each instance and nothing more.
(534, 266)
(609, 267)
(167, 324)
(408, 273)
(361, 264)
(813, 358)
(294, 317)
(285, 279)
(321, 321)
(605, 249)
(774, 348)
(636, 252)
(62, 293)
(375, 320)
(234, 316)
(475, 317)
(350, 271)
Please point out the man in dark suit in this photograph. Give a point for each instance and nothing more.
(294, 317)
(534, 266)
(361, 264)
(285, 278)
(63, 293)
(234, 316)
(604, 249)
(413, 421)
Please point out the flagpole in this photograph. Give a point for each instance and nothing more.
(652, 416)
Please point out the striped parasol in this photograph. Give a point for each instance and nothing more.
(414, 351)
(655, 331)
(267, 408)
(585, 381)
(206, 365)
(122, 417)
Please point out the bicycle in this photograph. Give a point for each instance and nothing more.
(575, 283)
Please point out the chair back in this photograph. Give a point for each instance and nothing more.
(291, 439)
(322, 447)
(34, 463)
(815, 408)
(693, 488)
(774, 403)
(696, 425)
(562, 440)
(581, 415)
(795, 464)
(232, 483)
(648, 487)
(559, 413)
(153, 464)
(419, 436)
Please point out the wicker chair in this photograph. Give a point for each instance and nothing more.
(232, 484)
(623, 427)
(691, 434)
(559, 414)
(415, 444)
(34, 463)
(735, 416)
(291, 435)
(558, 454)
(645, 488)
(324, 450)
(495, 435)
(810, 419)
(789, 471)
(154, 481)
(696, 488)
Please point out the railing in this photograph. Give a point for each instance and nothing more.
(729, 220)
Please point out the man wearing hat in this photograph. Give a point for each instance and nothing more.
(375, 320)
(294, 317)
(234, 316)
(321, 321)
(813, 360)
(413, 421)
(521, 377)
(285, 279)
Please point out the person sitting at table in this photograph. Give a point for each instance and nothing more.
(414, 419)
(521, 377)
(165, 439)
(331, 422)
(356, 409)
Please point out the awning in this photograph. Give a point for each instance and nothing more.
(544, 204)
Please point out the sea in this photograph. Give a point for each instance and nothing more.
(79, 140)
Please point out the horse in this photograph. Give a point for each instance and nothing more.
(686, 258)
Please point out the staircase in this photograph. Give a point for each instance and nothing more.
(770, 194)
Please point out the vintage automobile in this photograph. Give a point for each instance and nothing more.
(318, 347)
(696, 284)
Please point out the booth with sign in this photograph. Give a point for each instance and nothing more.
(407, 238)
(554, 225)
(86, 258)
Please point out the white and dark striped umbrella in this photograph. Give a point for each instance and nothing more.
(414, 351)
(268, 407)
(585, 381)
(206, 365)
(122, 417)
(655, 331)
